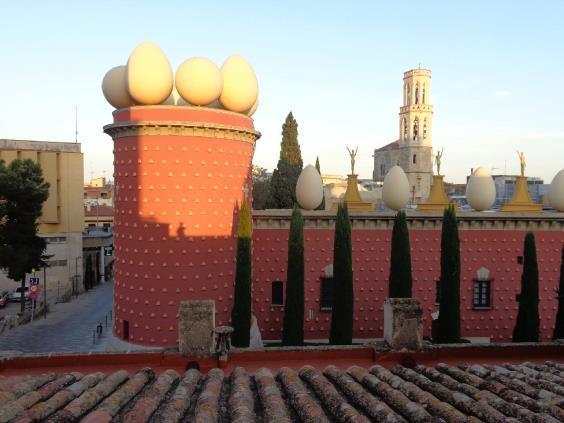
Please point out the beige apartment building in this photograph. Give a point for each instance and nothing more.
(62, 221)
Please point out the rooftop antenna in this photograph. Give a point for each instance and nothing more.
(75, 124)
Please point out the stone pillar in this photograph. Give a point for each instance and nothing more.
(196, 321)
(403, 323)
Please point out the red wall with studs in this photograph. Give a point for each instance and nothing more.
(176, 212)
(497, 250)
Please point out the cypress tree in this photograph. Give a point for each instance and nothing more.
(282, 193)
(400, 263)
(342, 316)
(559, 324)
(241, 312)
(293, 332)
(449, 309)
(527, 324)
(322, 205)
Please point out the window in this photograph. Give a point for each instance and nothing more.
(519, 259)
(417, 94)
(481, 298)
(326, 299)
(425, 130)
(416, 130)
(414, 158)
(438, 292)
(277, 293)
(57, 263)
(382, 169)
(404, 130)
(423, 99)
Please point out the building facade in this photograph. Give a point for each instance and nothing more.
(62, 219)
(412, 151)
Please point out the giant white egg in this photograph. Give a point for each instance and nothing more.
(240, 85)
(309, 188)
(395, 192)
(198, 81)
(114, 88)
(480, 189)
(556, 192)
(149, 75)
(253, 109)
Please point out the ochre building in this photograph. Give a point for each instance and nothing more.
(62, 219)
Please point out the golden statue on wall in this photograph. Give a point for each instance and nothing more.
(522, 161)
(352, 153)
(438, 160)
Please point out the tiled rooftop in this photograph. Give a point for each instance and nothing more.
(526, 392)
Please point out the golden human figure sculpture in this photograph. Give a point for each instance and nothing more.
(438, 160)
(353, 158)
(522, 160)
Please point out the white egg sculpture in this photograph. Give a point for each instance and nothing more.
(240, 85)
(480, 189)
(114, 88)
(395, 192)
(556, 192)
(174, 99)
(253, 109)
(149, 75)
(309, 188)
(198, 81)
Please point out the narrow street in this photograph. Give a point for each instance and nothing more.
(69, 327)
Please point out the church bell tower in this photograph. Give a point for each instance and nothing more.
(416, 129)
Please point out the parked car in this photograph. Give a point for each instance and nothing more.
(16, 294)
(3, 299)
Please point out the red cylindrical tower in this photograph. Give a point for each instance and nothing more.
(180, 173)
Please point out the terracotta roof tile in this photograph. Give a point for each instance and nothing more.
(523, 392)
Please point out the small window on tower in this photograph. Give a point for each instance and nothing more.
(416, 95)
(326, 294)
(416, 130)
(423, 97)
(404, 130)
(425, 130)
(277, 293)
(414, 158)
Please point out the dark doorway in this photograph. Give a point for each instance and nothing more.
(125, 330)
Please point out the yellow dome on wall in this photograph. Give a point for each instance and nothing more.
(240, 85)
(198, 81)
(114, 88)
(149, 75)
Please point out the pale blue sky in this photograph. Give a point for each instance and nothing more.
(497, 72)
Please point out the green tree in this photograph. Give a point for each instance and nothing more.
(343, 293)
(449, 309)
(22, 194)
(293, 333)
(322, 205)
(400, 263)
(282, 194)
(559, 324)
(261, 187)
(241, 312)
(527, 324)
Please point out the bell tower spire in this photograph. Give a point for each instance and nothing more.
(416, 129)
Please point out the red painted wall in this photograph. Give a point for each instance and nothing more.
(495, 250)
(176, 212)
